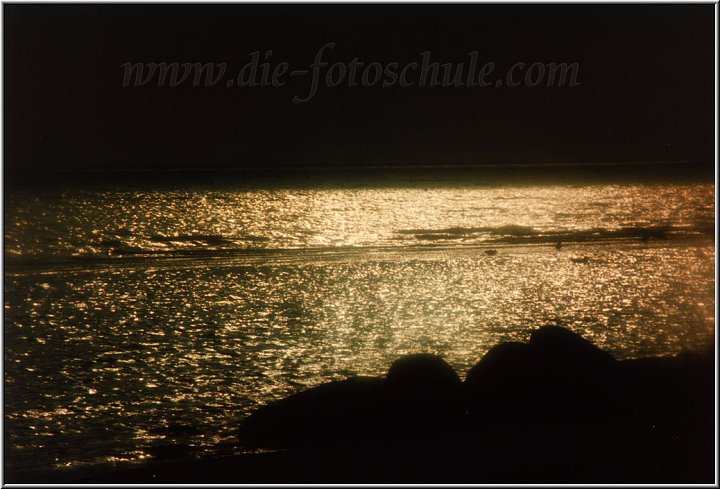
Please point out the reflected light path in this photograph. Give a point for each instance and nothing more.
(137, 320)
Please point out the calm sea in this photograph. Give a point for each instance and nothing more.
(144, 321)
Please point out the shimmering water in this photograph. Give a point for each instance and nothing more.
(137, 318)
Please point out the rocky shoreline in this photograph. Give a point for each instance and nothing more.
(554, 410)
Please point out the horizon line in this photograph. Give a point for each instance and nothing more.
(224, 168)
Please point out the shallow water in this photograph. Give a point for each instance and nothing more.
(139, 318)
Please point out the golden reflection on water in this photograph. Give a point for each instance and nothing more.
(134, 222)
(106, 359)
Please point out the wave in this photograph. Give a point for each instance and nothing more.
(129, 250)
(128, 244)
(207, 239)
(513, 230)
(517, 234)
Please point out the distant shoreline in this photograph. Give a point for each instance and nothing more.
(449, 166)
(375, 175)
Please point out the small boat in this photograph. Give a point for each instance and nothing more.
(491, 252)
(583, 260)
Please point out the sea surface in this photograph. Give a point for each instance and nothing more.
(142, 322)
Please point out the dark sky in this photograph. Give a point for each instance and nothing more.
(646, 93)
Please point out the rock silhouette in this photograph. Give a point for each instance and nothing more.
(425, 397)
(558, 374)
(420, 397)
(556, 409)
(336, 412)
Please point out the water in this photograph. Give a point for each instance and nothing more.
(144, 322)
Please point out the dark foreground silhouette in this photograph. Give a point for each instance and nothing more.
(555, 409)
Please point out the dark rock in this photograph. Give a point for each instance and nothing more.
(420, 398)
(503, 360)
(560, 404)
(336, 412)
(566, 352)
(534, 401)
(424, 397)
(565, 341)
(555, 358)
(554, 409)
(668, 412)
(424, 373)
